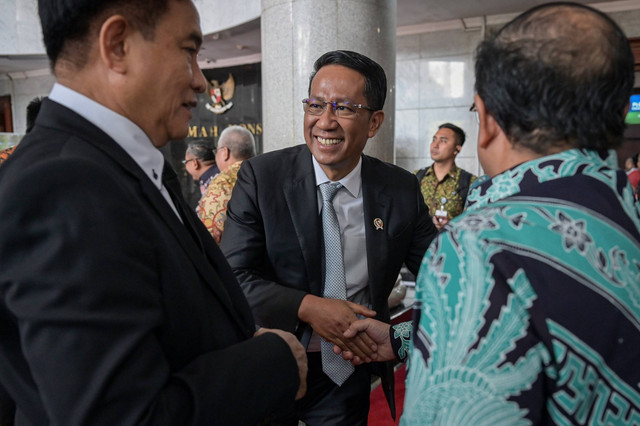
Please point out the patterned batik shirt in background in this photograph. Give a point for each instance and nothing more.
(212, 208)
(435, 191)
(528, 304)
(6, 153)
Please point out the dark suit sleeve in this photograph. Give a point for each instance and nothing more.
(245, 243)
(79, 276)
(425, 231)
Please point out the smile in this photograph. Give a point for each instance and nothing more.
(328, 142)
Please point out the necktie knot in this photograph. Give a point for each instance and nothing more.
(329, 190)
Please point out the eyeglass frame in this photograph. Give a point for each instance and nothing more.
(475, 110)
(335, 104)
(213, 150)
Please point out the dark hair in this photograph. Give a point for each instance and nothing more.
(67, 24)
(239, 140)
(202, 150)
(460, 135)
(375, 80)
(33, 108)
(558, 75)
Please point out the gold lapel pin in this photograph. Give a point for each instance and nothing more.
(377, 222)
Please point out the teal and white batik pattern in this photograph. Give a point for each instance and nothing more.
(528, 305)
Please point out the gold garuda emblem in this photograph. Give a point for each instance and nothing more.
(220, 95)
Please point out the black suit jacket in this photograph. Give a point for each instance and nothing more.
(273, 235)
(111, 310)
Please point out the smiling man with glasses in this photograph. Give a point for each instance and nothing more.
(315, 279)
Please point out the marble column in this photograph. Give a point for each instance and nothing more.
(295, 33)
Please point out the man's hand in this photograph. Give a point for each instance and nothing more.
(331, 317)
(377, 331)
(298, 352)
(440, 221)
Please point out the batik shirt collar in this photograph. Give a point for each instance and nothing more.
(544, 169)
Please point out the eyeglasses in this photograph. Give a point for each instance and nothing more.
(186, 161)
(475, 111)
(343, 109)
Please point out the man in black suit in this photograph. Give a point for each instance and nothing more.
(274, 235)
(116, 306)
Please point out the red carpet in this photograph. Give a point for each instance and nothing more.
(379, 414)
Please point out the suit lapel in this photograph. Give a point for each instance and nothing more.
(377, 205)
(300, 195)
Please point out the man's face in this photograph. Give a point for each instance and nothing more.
(443, 146)
(336, 142)
(190, 163)
(164, 77)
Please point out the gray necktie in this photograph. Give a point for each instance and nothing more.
(335, 285)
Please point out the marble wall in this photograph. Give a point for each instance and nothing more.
(20, 26)
(434, 81)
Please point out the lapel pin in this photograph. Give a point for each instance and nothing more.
(377, 222)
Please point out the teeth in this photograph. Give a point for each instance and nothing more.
(324, 141)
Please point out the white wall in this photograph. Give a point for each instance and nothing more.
(434, 80)
(221, 15)
(20, 26)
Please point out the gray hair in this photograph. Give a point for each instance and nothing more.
(202, 150)
(239, 140)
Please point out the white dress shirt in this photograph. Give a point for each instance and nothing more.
(126, 133)
(348, 205)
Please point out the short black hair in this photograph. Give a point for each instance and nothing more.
(460, 134)
(33, 108)
(67, 25)
(375, 84)
(202, 149)
(558, 75)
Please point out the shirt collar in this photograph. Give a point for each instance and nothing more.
(487, 190)
(208, 174)
(352, 182)
(125, 132)
(452, 172)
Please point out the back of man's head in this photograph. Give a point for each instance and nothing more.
(32, 112)
(202, 150)
(70, 26)
(557, 76)
(240, 142)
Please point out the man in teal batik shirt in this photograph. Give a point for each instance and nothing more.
(528, 304)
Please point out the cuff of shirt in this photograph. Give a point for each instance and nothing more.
(400, 337)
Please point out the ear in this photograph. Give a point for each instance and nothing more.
(488, 126)
(114, 34)
(226, 154)
(375, 122)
